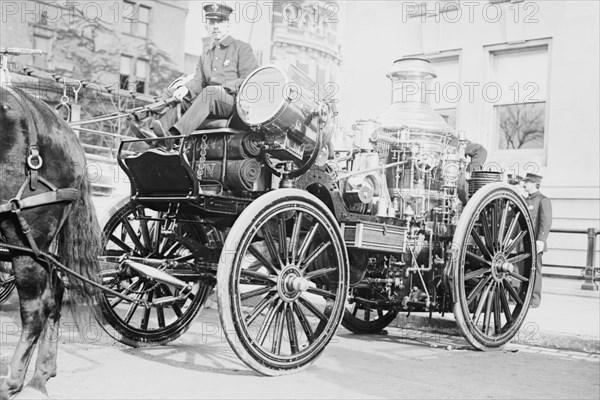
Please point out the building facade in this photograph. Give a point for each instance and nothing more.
(123, 47)
(133, 45)
(306, 35)
(519, 77)
(303, 33)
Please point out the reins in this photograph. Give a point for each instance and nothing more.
(51, 259)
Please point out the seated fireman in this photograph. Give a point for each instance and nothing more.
(219, 73)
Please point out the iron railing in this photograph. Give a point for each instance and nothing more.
(590, 270)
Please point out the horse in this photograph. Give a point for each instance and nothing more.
(45, 199)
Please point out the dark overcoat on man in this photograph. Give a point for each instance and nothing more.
(540, 209)
(226, 64)
(219, 74)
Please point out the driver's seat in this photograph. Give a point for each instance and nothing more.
(234, 122)
(214, 123)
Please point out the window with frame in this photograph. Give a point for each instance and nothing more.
(332, 76)
(290, 15)
(44, 43)
(42, 40)
(520, 107)
(134, 74)
(141, 75)
(125, 72)
(306, 22)
(321, 76)
(446, 90)
(136, 18)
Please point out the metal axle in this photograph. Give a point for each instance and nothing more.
(157, 275)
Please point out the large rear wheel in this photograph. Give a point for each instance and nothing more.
(494, 266)
(282, 282)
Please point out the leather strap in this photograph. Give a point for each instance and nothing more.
(41, 199)
(34, 159)
(34, 162)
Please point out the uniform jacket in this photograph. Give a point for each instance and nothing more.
(226, 64)
(540, 208)
(477, 152)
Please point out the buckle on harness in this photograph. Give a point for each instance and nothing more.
(15, 205)
(34, 161)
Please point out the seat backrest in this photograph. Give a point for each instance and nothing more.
(157, 172)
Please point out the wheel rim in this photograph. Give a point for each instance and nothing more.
(496, 269)
(287, 301)
(142, 235)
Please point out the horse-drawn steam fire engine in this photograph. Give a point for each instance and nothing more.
(297, 240)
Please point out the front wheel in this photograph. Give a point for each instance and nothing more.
(494, 266)
(7, 281)
(165, 242)
(282, 282)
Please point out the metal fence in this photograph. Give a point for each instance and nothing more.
(589, 272)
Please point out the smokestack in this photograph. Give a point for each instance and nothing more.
(411, 82)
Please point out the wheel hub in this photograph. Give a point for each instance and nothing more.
(291, 284)
(501, 267)
(506, 267)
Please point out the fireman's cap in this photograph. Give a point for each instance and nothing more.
(533, 178)
(217, 11)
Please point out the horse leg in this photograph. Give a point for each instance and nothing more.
(45, 366)
(35, 301)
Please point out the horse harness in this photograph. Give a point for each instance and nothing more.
(18, 203)
(33, 162)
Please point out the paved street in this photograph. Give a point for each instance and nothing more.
(403, 364)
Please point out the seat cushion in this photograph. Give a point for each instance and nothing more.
(214, 124)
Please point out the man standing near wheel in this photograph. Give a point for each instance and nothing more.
(219, 74)
(540, 208)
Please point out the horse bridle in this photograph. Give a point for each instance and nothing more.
(18, 203)
(34, 161)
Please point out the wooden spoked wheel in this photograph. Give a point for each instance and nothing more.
(282, 282)
(494, 266)
(362, 316)
(169, 244)
(7, 281)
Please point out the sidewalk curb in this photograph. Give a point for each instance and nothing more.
(573, 292)
(528, 335)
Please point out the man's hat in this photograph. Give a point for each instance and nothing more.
(533, 178)
(218, 11)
